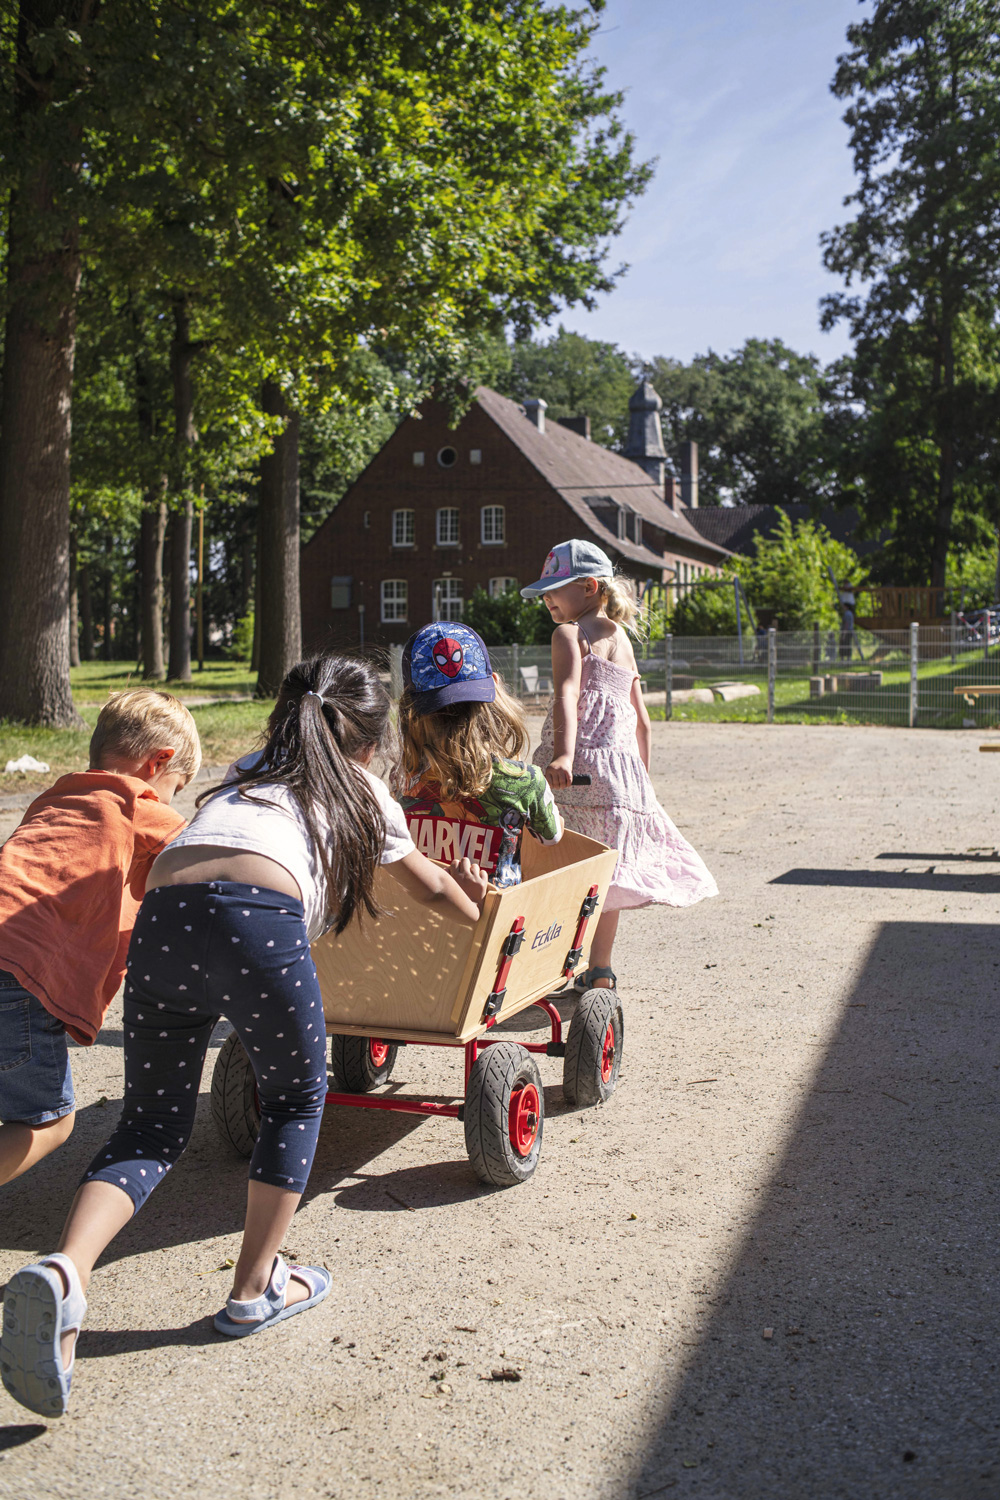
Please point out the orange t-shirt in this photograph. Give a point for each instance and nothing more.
(72, 876)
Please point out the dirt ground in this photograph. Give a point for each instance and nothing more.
(765, 1270)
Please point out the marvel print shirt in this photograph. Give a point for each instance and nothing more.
(487, 828)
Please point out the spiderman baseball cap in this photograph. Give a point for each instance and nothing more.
(566, 563)
(447, 663)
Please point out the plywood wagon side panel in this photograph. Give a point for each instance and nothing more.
(550, 903)
(404, 971)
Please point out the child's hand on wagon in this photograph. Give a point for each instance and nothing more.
(473, 880)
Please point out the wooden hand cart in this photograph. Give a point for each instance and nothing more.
(418, 978)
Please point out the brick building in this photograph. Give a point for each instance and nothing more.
(441, 510)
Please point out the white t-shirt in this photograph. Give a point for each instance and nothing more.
(278, 831)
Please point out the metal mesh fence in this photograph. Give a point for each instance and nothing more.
(931, 676)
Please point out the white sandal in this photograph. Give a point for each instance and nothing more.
(238, 1319)
(36, 1314)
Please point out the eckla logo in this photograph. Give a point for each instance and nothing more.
(542, 939)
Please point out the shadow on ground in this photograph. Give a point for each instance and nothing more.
(872, 1258)
(895, 880)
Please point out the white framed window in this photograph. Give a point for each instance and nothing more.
(394, 600)
(493, 525)
(499, 586)
(447, 528)
(418, 460)
(447, 458)
(403, 528)
(447, 600)
(475, 455)
(637, 524)
(340, 591)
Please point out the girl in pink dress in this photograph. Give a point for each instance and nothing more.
(598, 726)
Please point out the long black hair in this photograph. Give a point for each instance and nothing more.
(331, 710)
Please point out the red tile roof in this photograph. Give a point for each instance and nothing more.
(578, 468)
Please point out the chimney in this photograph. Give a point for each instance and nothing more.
(689, 475)
(534, 410)
(672, 492)
(645, 437)
(579, 425)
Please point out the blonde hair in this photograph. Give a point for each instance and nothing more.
(619, 601)
(455, 745)
(135, 723)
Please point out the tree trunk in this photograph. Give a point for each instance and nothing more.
(279, 613)
(74, 606)
(947, 465)
(246, 574)
(107, 606)
(179, 668)
(182, 353)
(153, 521)
(152, 531)
(35, 415)
(86, 614)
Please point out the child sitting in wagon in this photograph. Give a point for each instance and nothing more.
(463, 788)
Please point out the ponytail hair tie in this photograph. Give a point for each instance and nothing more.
(310, 694)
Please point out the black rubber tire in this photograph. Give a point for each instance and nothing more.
(496, 1073)
(352, 1067)
(583, 1082)
(234, 1097)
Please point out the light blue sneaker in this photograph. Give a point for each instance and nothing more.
(36, 1314)
(238, 1319)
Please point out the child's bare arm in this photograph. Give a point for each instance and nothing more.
(567, 665)
(433, 885)
(643, 732)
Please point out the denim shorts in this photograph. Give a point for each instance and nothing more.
(36, 1082)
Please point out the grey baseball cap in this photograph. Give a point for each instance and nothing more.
(567, 562)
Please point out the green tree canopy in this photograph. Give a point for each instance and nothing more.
(919, 402)
(757, 416)
(576, 376)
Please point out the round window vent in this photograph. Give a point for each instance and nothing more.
(447, 457)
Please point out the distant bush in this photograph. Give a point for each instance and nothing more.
(508, 620)
(240, 648)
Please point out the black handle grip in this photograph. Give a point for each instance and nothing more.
(582, 780)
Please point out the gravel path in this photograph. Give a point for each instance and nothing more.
(764, 1271)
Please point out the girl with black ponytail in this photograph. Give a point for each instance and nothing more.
(287, 846)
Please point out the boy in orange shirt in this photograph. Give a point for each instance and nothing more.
(72, 877)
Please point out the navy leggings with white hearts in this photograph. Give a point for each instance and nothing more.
(199, 952)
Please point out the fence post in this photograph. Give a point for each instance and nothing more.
(914, 660)
(954, 630)
(816, 657)
(514, 673)
(772, 669)
(987, 622)
(668, 651)
(395, 671)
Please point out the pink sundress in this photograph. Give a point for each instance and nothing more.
(619, 808)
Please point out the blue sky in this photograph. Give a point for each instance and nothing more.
(733, 97)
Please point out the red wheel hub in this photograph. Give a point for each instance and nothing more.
(523, 1118)
(608, 1053)
(379, 1052)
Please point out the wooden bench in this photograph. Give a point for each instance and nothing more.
(971, 691)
